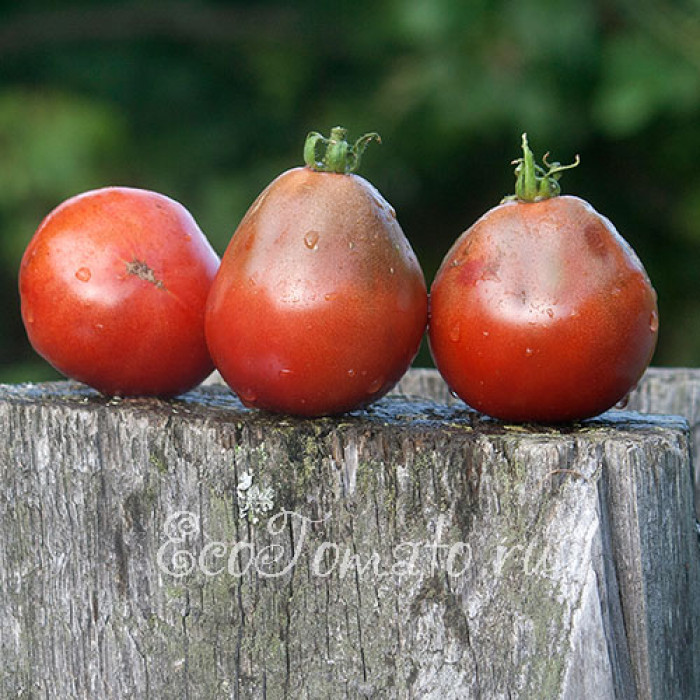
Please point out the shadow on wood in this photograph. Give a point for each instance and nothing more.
(193, 548)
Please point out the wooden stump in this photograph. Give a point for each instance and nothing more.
(673, 391)
(195, 549)
(662, 390)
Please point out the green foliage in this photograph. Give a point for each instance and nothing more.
(53, 145)
(643, 81)
(208, 101)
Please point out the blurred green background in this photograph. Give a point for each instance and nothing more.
(208, 101)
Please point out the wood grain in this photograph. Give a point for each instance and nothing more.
(413, 550)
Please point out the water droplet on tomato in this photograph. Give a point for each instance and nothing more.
(83, 274)
(330, 296)
(485, 334)
(654, 322)
(455, 333)
(391, 270)
(351, 373)
(376, 385)
(550, 312)
(285, 372)
(351, 245)
(529, 352)
(99, 326)
(311, 240)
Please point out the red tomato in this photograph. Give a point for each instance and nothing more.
(541, 311)
(113, 286)
(320, 304)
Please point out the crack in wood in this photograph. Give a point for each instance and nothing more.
(595, 585)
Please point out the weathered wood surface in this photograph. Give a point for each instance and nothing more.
(673, 391)
(662, 390)
(412, 550)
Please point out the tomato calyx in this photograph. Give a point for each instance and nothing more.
(334, 154)
(532, 182)
(140, 269)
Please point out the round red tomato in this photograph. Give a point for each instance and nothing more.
(113, 287)
(541, 311)
(320, 304)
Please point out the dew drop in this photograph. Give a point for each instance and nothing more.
(455, 333)
(485, 334)
(83, 274)
(311, 240)
(351, 245)
(285, 372)
(654, 322)
(391, 270)
(99, 326)
(529, 352)
(330, 296)
(351, 373)
(376, 385)
(550, 312)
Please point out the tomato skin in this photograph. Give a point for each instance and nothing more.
(113, 287)
(542, 312)
(320, 304)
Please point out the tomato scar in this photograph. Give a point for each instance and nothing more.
(595, 241)
(140, 269)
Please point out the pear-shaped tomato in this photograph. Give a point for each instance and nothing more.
(113, 287)
(541, 311)
(320, 304)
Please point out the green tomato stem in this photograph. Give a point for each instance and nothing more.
(532, 182)
(334, 154)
